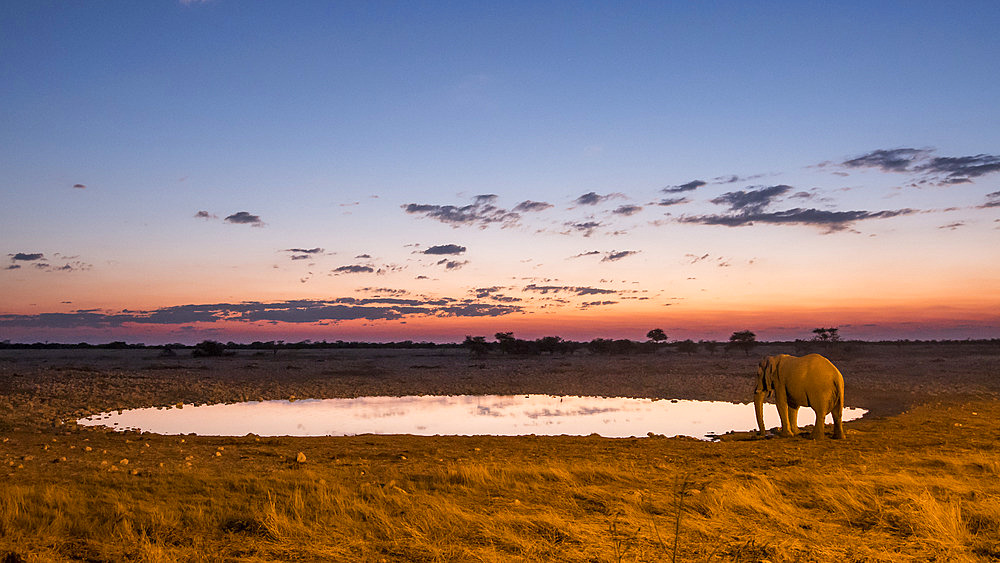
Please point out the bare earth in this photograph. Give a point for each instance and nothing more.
(916, 480)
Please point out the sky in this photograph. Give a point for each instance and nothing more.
(175, 171)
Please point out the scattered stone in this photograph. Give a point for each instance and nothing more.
(301, 457)
(218, 454)
(124, 462)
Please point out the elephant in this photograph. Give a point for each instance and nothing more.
(807, 381)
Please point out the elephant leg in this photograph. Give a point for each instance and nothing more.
(781, 402)
(793, 420)
(838, 424)
(819, 427)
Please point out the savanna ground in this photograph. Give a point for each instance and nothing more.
(918, 478)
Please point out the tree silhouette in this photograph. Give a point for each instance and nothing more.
(477, 345)
(208, 348)
(507, 342)
(656, 335)
(826, 335)
(743, 339)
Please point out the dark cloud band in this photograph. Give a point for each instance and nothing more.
(299, 311)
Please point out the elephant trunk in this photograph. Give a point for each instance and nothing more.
(758, 406)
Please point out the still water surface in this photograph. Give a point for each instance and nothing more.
(543, 415)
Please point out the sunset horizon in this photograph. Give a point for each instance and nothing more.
(184, 171)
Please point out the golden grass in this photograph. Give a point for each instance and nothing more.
(563, 509)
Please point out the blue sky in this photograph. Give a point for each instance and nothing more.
(325, 120)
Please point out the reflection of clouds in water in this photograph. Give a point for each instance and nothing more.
(453, 415)
(382, 414)
(574, 412)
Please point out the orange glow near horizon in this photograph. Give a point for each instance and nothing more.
(787, 324)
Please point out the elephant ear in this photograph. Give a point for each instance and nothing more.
(765, 379)
(770, 369)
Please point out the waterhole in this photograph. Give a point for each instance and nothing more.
(509, 415)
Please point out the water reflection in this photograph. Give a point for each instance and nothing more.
(612, 417)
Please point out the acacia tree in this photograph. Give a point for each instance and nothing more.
(743, 339)
(826, 335)
(506, 341)
(656, 335)
(477, 345)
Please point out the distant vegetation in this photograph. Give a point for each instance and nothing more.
(504, 344)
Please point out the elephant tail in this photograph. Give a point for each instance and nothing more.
(838, 398)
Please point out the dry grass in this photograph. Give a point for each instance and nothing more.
(923, 485)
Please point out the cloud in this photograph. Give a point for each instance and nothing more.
(665, 202)
(545, 289)
(493, 294)
(751, 200)
(40, 262)
(529, 206)
(612, 256)
(830, 220)
(891, 160)
(940, 170)
(992, 200)
(445, 249)
(585, 227)
(961, 169)
(297, 311)
(952, 226)
(205, 215)
(303, 253)
(589, 304)
(694, 258)
(452, 264)
(245, 218)
(690, 186)
(27, 256)
(354, 269)
(627, 210)
(616, 255)
(732, 179)
(482, 213)
(592, 198)
(80, 186)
